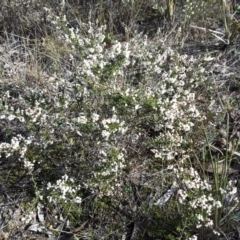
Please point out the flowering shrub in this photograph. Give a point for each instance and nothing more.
(115, 107)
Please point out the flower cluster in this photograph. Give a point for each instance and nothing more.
(63, 190)
(197, 195)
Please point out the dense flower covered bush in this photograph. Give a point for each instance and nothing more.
(114, 110)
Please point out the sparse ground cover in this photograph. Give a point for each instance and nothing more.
(119, 120)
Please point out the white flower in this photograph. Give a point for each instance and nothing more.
(123, 130)
(91, 50)
(194, 237)
(95, 117)
(120, 156)
(199, 217)
(77, 200)
(103, 153)
(215, 232)
(137, 107)
(82, 120)
(11, 117)
(186, 127)
(15, 142)
(209, 223)
(105, 134)
(218, 204)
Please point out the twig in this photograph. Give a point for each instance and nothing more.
(214, 33)
(207, 30)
